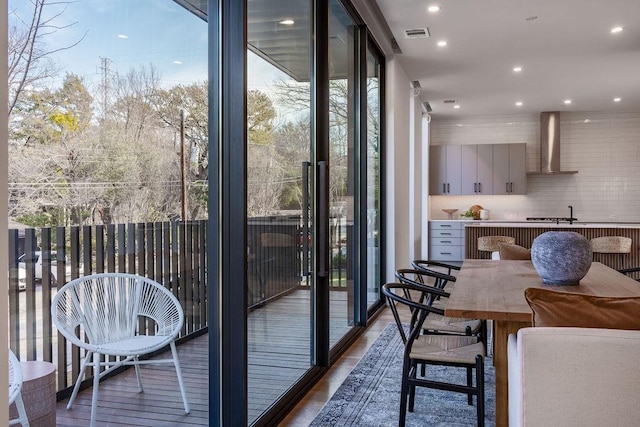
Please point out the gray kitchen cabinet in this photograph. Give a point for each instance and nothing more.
(446, 240)
(509, 168)
(445, 169)
(477, 169)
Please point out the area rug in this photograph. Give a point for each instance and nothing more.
(370, 395)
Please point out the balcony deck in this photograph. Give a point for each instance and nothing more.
(278, 354)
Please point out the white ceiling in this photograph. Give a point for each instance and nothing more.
(567, 52)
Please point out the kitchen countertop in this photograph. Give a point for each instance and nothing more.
(544, 224)
(550, 224)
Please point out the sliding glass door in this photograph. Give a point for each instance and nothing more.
(279, 225)
(342, 152)
(311, 213)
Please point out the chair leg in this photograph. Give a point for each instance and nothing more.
(404, 391)
(22, 413)
(138, 373)
(469, 384)
(176, 363)
(412, 388)
(83, 368)
(480, 389)
(96, 383)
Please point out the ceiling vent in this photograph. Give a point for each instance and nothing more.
(417, 33)
(449, 101)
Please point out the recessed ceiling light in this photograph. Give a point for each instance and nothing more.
(567, 101)
(587, 121)
(616, 30)
(442, 43)
(519, 104)
(123, 36)
(433, 9)
(287, 22)
(531, 18)
(617, 99)
(177, 62)
(517, 69)
(456, 106)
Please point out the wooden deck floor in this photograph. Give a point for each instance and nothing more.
(278, 355)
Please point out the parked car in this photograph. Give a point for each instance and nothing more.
(37, 260)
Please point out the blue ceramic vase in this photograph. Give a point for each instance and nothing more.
(561, 257)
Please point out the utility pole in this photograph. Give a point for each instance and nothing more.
(104, 68)
(183, 167)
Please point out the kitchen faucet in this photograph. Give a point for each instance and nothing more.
(571, 218)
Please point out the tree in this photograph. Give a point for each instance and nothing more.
(193, 100)
(48, 116)
(29, 57)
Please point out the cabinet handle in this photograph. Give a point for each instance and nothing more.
(511, 185)
(507, 189)
(475, 187)
(445, 226)
(445, 253)
(444, 187)
(446, 234)
(448, 188)
(479, 187)
(445, 241)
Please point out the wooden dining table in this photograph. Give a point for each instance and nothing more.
(494, 290)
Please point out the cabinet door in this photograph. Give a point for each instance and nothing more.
(469, 169)
(454, 174)
(501, 169)
(437, 169)
(518, 168)
(477, 169)
(444, 169)
(485, 169)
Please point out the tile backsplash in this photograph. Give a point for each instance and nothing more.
(603, 147)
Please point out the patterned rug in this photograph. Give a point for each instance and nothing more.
(370, 395)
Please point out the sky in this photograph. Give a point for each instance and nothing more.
(132, 34)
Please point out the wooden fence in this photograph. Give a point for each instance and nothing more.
(171, 253)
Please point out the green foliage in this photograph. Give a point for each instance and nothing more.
(38, 219)
(339, 260)
(260, 116)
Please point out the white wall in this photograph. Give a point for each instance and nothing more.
(397, 179)
(603, 147)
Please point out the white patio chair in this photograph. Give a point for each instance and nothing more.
(15, 389)
(106, 308)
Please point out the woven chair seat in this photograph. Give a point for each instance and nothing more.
(490, 243)
(611, 245)
(139, 344)
(447, 348)
(436, 322)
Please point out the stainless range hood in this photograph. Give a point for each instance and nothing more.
(550, 145)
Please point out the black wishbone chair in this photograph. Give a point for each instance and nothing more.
(439, 323)
(426, 264)
(448, 350)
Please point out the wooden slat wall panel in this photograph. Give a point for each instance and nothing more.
(525, 235)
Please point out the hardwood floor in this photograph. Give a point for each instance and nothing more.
(161, 403)
(311, 404)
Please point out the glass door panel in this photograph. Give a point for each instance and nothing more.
(342, 151)
(278, 162)
(373, 178)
